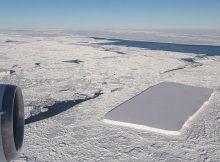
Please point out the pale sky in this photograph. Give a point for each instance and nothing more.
(129, 14)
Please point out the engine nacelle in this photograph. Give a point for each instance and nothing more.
(11, 122)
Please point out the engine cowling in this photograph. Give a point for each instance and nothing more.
(11, 122)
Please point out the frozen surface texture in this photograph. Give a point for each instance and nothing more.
(66, 100)
(165, 106)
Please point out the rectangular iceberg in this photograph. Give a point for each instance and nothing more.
(165, 106)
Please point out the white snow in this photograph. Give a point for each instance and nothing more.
(82, 93)
(4, 72)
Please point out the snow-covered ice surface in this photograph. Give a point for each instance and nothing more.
(71, 81)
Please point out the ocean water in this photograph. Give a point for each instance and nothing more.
(206, 50)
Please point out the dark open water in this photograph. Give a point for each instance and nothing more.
(207, 50)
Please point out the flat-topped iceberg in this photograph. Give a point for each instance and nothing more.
(165, 106)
